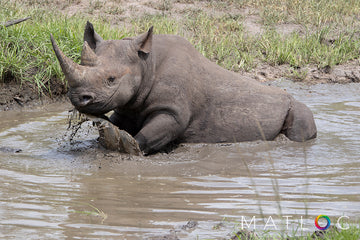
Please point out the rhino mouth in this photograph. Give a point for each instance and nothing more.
(102, 116)
(93, 110)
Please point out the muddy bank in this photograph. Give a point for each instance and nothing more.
(347, 73)
(14, 95)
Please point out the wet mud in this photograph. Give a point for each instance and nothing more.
(55, 188)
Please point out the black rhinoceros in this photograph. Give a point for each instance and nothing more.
(163, 90)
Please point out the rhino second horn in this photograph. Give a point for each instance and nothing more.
(88, 56)
(73, 72)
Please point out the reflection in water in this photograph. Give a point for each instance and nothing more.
(55, 189)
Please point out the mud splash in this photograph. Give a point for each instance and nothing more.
(53, 188)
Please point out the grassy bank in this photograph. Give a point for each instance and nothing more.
(326, 33)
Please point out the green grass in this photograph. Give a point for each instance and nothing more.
(299, 50)
(26, 54)
(330, 36)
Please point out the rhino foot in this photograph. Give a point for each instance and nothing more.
(112, 138)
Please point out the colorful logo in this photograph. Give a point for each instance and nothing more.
(317, 222)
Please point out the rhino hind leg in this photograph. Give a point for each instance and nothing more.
(299, 124)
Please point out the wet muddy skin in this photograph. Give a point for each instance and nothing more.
(52, 188)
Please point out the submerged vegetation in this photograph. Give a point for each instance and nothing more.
(322, 33)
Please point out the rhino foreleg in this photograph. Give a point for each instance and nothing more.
(124, 122)
(158, 132)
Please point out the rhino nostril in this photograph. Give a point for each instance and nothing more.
(86, 99)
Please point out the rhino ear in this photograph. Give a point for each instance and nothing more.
(143, 43)
(91, 37)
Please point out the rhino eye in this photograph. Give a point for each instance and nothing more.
(111, 79)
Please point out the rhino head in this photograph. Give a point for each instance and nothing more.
(110, 74)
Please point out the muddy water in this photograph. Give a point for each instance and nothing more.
(55, 189)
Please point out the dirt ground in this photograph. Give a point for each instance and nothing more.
(118, 12)
(14, 95)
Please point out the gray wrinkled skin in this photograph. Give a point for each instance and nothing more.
(163, 90)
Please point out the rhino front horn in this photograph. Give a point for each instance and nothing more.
(73, 72)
